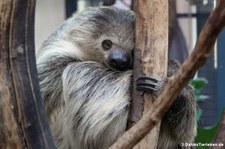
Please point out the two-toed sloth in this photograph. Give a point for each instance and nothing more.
(85, 74)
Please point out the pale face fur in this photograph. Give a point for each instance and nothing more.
(86, 100)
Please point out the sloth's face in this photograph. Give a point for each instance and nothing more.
(117, 58)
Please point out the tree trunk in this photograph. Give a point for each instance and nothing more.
(151, 55)
(23, 123)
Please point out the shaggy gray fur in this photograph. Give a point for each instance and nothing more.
(87, 102)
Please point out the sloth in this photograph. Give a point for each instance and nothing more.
(85, 74)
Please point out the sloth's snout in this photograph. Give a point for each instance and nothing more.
(119, 59)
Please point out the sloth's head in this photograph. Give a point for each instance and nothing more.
(117, 57)
(105, 35)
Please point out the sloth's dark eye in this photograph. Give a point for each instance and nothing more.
(107, 44)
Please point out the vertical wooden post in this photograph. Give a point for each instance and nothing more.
(152, 46)
(23, 123)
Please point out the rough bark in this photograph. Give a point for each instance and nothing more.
(150, 56)
(23, 123)
(206, 41)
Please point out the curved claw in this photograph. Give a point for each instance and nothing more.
(147, 83)
(143, 78)
(146, 88)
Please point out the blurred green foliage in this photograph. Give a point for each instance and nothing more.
(207, 134)
(198, 84)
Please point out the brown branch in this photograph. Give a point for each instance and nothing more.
(23, 123)
(212, 28)
(220, 135)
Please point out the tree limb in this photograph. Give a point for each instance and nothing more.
(207, 38)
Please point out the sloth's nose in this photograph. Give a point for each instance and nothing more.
(119, 59)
